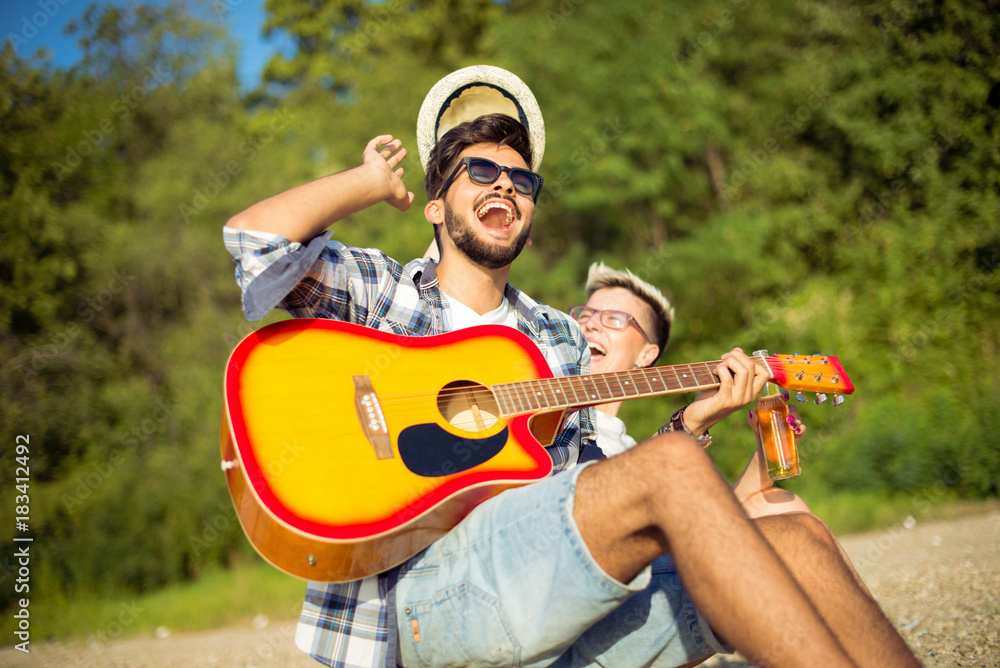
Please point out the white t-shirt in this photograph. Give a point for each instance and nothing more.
(611, 436)
(462, 316)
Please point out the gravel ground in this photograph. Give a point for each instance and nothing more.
(939, 582)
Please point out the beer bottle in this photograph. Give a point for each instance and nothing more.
(776, 434)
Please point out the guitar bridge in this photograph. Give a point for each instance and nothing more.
(370, 414)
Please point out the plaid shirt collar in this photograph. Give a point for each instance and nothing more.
(423, 272)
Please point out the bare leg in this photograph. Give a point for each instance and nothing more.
(665, 495)
(815, 558)
(757, 494)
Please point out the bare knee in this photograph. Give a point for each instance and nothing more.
(679, 482)
(643, 474)
(675, 456)
(798, 528)
(647, 468)
(773, 501)
(627, 506)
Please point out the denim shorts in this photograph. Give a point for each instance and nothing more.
(515, 585)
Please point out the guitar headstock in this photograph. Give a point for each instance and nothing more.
(811, 373)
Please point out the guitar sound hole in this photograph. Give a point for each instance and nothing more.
(468, 406)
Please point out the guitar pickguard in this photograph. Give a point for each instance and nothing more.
(430, 451)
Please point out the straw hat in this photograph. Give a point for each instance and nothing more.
(471, 92)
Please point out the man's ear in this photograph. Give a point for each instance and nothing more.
(434, 211)
(647, 355)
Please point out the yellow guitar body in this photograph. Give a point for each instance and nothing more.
(325, 495)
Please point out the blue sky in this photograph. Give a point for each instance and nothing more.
(40, 23)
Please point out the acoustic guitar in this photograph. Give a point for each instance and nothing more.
(348, 450)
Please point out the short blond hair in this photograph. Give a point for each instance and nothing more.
(601, 276)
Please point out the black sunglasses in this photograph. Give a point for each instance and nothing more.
(484, 172)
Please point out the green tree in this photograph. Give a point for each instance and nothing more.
(105, 284)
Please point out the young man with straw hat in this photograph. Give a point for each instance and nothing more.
(529, 577)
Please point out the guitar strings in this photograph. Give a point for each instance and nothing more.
(577, 385)
(578, 382)
(571, 388)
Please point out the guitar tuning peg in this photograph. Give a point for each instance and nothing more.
(800, 397)
(820, 398)
(838, 399)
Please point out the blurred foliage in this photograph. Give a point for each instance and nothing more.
(801, 176)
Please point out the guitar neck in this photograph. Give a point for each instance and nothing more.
(601, 388)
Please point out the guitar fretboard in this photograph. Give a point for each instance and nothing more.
(574, 391)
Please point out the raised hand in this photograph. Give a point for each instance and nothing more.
(384, 153)
(301, 213)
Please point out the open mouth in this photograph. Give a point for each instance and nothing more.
(496, 213)
(597, 351)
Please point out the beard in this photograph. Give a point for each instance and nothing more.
(491, 256)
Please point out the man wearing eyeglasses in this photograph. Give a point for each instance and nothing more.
(627, 324)
(530, 571)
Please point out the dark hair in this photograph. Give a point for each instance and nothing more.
(499, 129)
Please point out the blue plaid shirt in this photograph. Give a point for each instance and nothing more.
(352, 624)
